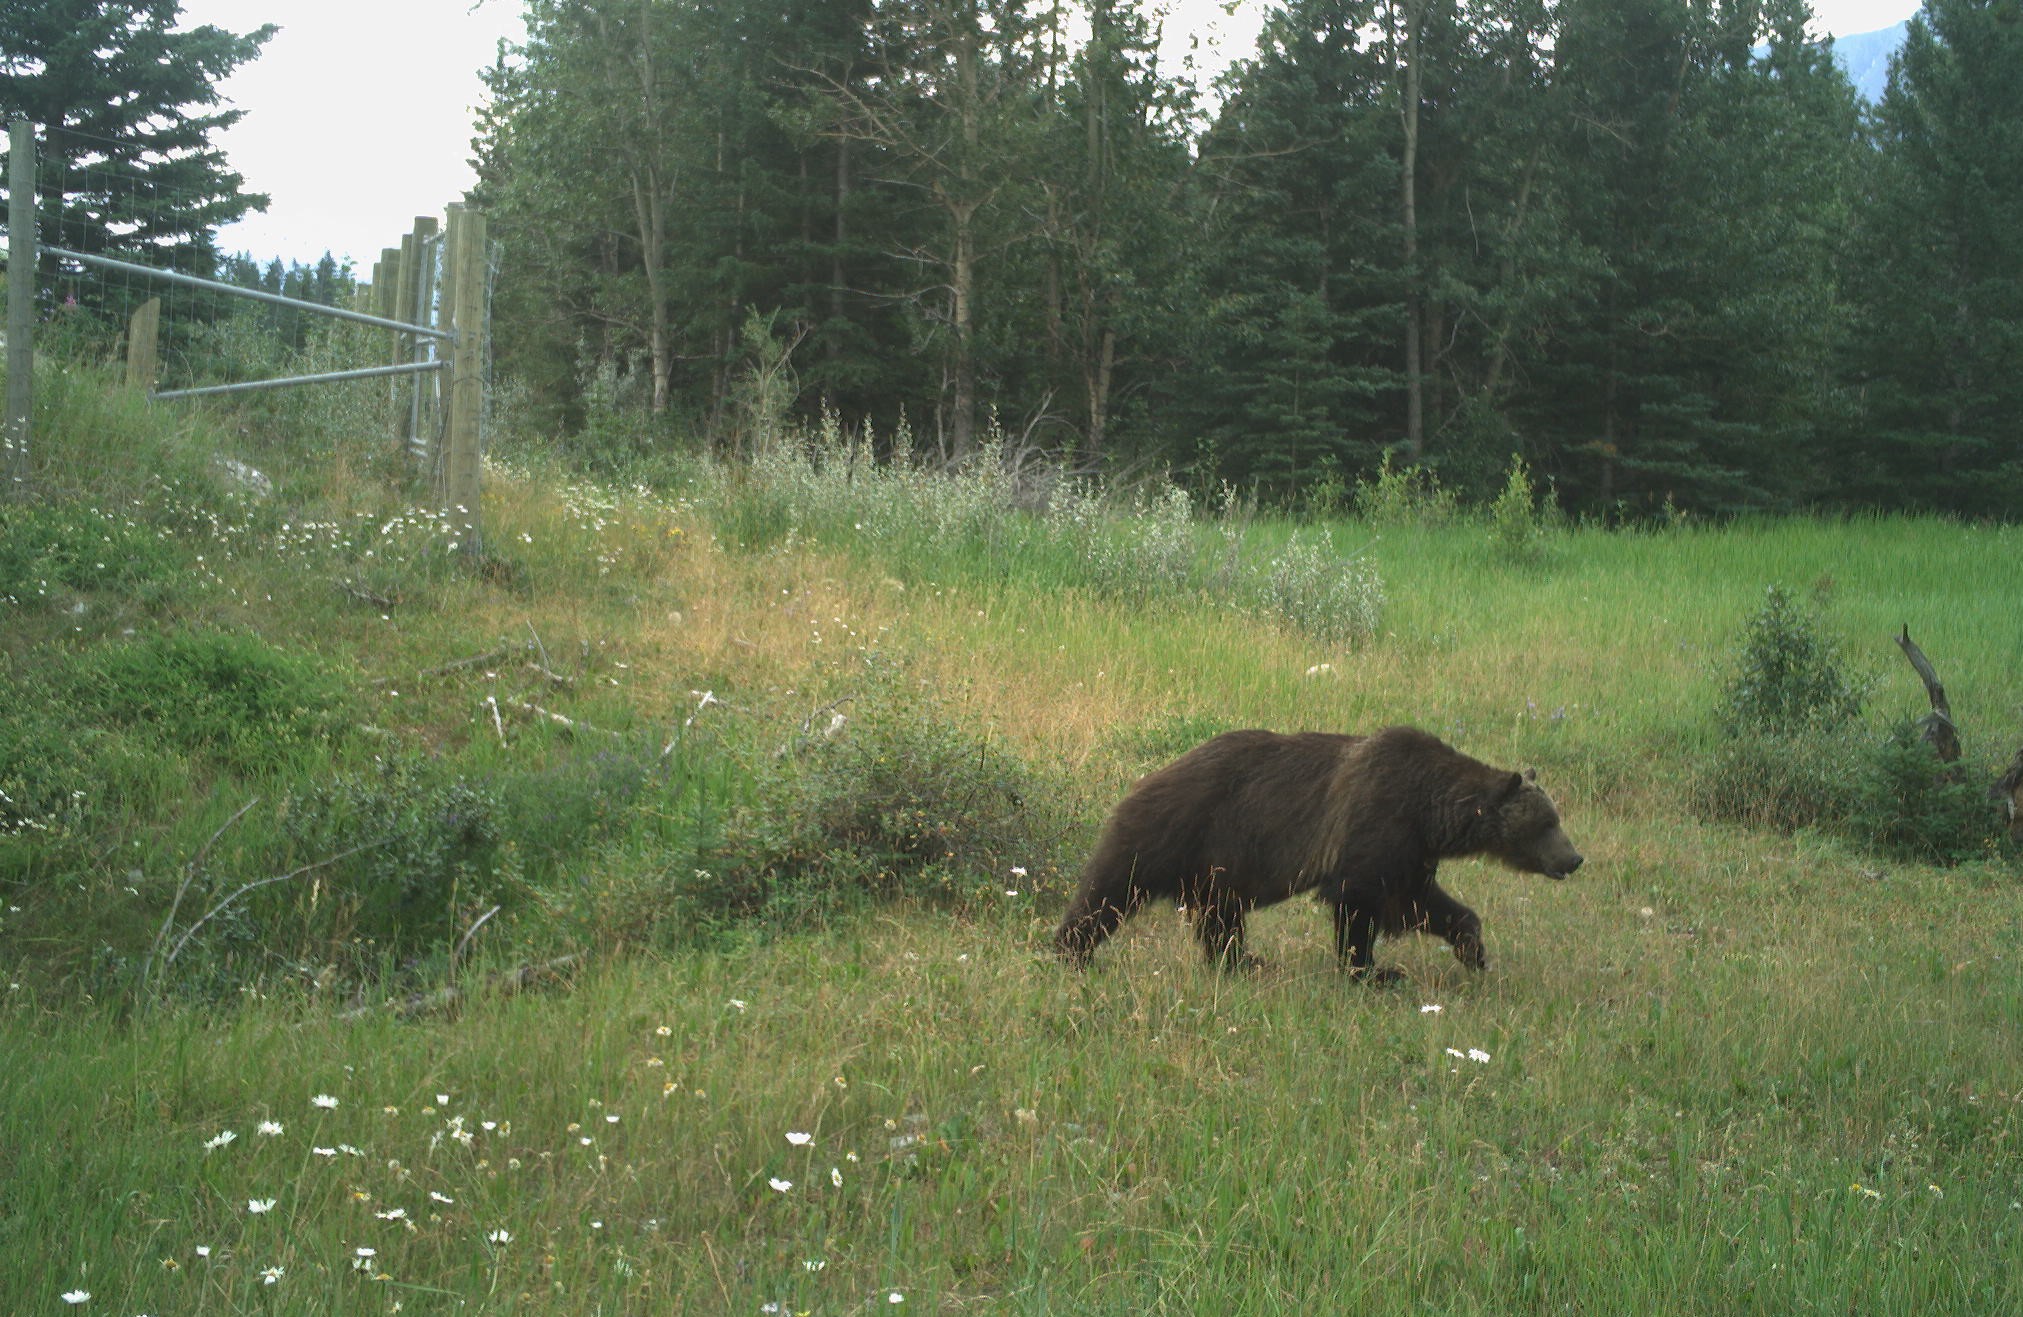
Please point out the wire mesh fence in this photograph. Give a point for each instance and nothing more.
(125, 282)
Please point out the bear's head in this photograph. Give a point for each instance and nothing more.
(1524, 830)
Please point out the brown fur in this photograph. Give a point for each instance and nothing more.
(1250, 818)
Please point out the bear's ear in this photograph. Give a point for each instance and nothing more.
(1514, 785)
(1531, 775)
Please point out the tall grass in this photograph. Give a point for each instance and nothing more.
(1723, 1069)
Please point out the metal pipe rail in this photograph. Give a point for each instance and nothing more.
(194, 281)
(250, 386)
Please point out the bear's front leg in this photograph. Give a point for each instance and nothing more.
(1454, 922)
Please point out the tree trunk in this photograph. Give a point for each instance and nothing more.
(962, 288)
(1415, 397)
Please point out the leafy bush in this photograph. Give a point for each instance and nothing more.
(1910, 804)
(1330, 597)
(1404, 496)
(1520, 528)
(1794, 753)
(1787, 677)
(903, 802)
(422, 857)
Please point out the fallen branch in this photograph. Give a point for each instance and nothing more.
(470, 933)
(190, 872)
(564, 721)
(489, 656)
(552, 678)
(255, 885)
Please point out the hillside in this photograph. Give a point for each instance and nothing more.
(1865, 58)
(771, 778)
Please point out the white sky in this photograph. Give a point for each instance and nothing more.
(360, 113)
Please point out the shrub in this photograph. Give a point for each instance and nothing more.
(1330, 597)
(1520, 528)
(425, 857)
(1404, 496)
(1794, 754)
(903, 802)
(1786, 677)
(1910, 804)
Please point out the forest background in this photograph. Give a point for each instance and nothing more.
(1660, 249)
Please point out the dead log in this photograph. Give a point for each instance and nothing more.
(1937, 726)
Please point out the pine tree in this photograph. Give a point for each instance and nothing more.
(1938, 271)
(123, 103)
(1294, 362)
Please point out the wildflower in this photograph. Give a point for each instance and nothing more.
(836, 1177)
(798, 1139)
(663, 1031)
(268, 1129)
(323, 1100)
(324, 1152)
(895, 1297)
(362, 1259)
(224, 1137)
(74, 1297)
(392, 1214)
(779, 1185)
(813, 1264)
(1431, 1008)
(1018, 871)
(1478, 1056)
(499, 1237)
(440, 1198)
(1864, 1191)
(738, 1004)
(258, 1205)
(270, 1275)
(203, 1250)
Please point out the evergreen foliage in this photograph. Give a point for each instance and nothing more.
(1650, 246)
(123, 104)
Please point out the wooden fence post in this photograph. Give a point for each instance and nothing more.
(21, 260)
(463, 432)
(417, 283)
(143, 333)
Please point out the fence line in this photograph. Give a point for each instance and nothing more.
(431, 295)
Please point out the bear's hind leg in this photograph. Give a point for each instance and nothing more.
(1355, 936)
(1092, 916)
(1218, 926)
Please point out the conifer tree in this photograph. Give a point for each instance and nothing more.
(126, 108)
(1938, 264)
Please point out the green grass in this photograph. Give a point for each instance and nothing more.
(1727, 1069)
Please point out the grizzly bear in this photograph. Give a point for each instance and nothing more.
(1250, 818)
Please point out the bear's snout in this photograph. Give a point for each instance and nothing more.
(1557, 857)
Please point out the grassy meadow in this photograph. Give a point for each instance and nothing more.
(808, 1066)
